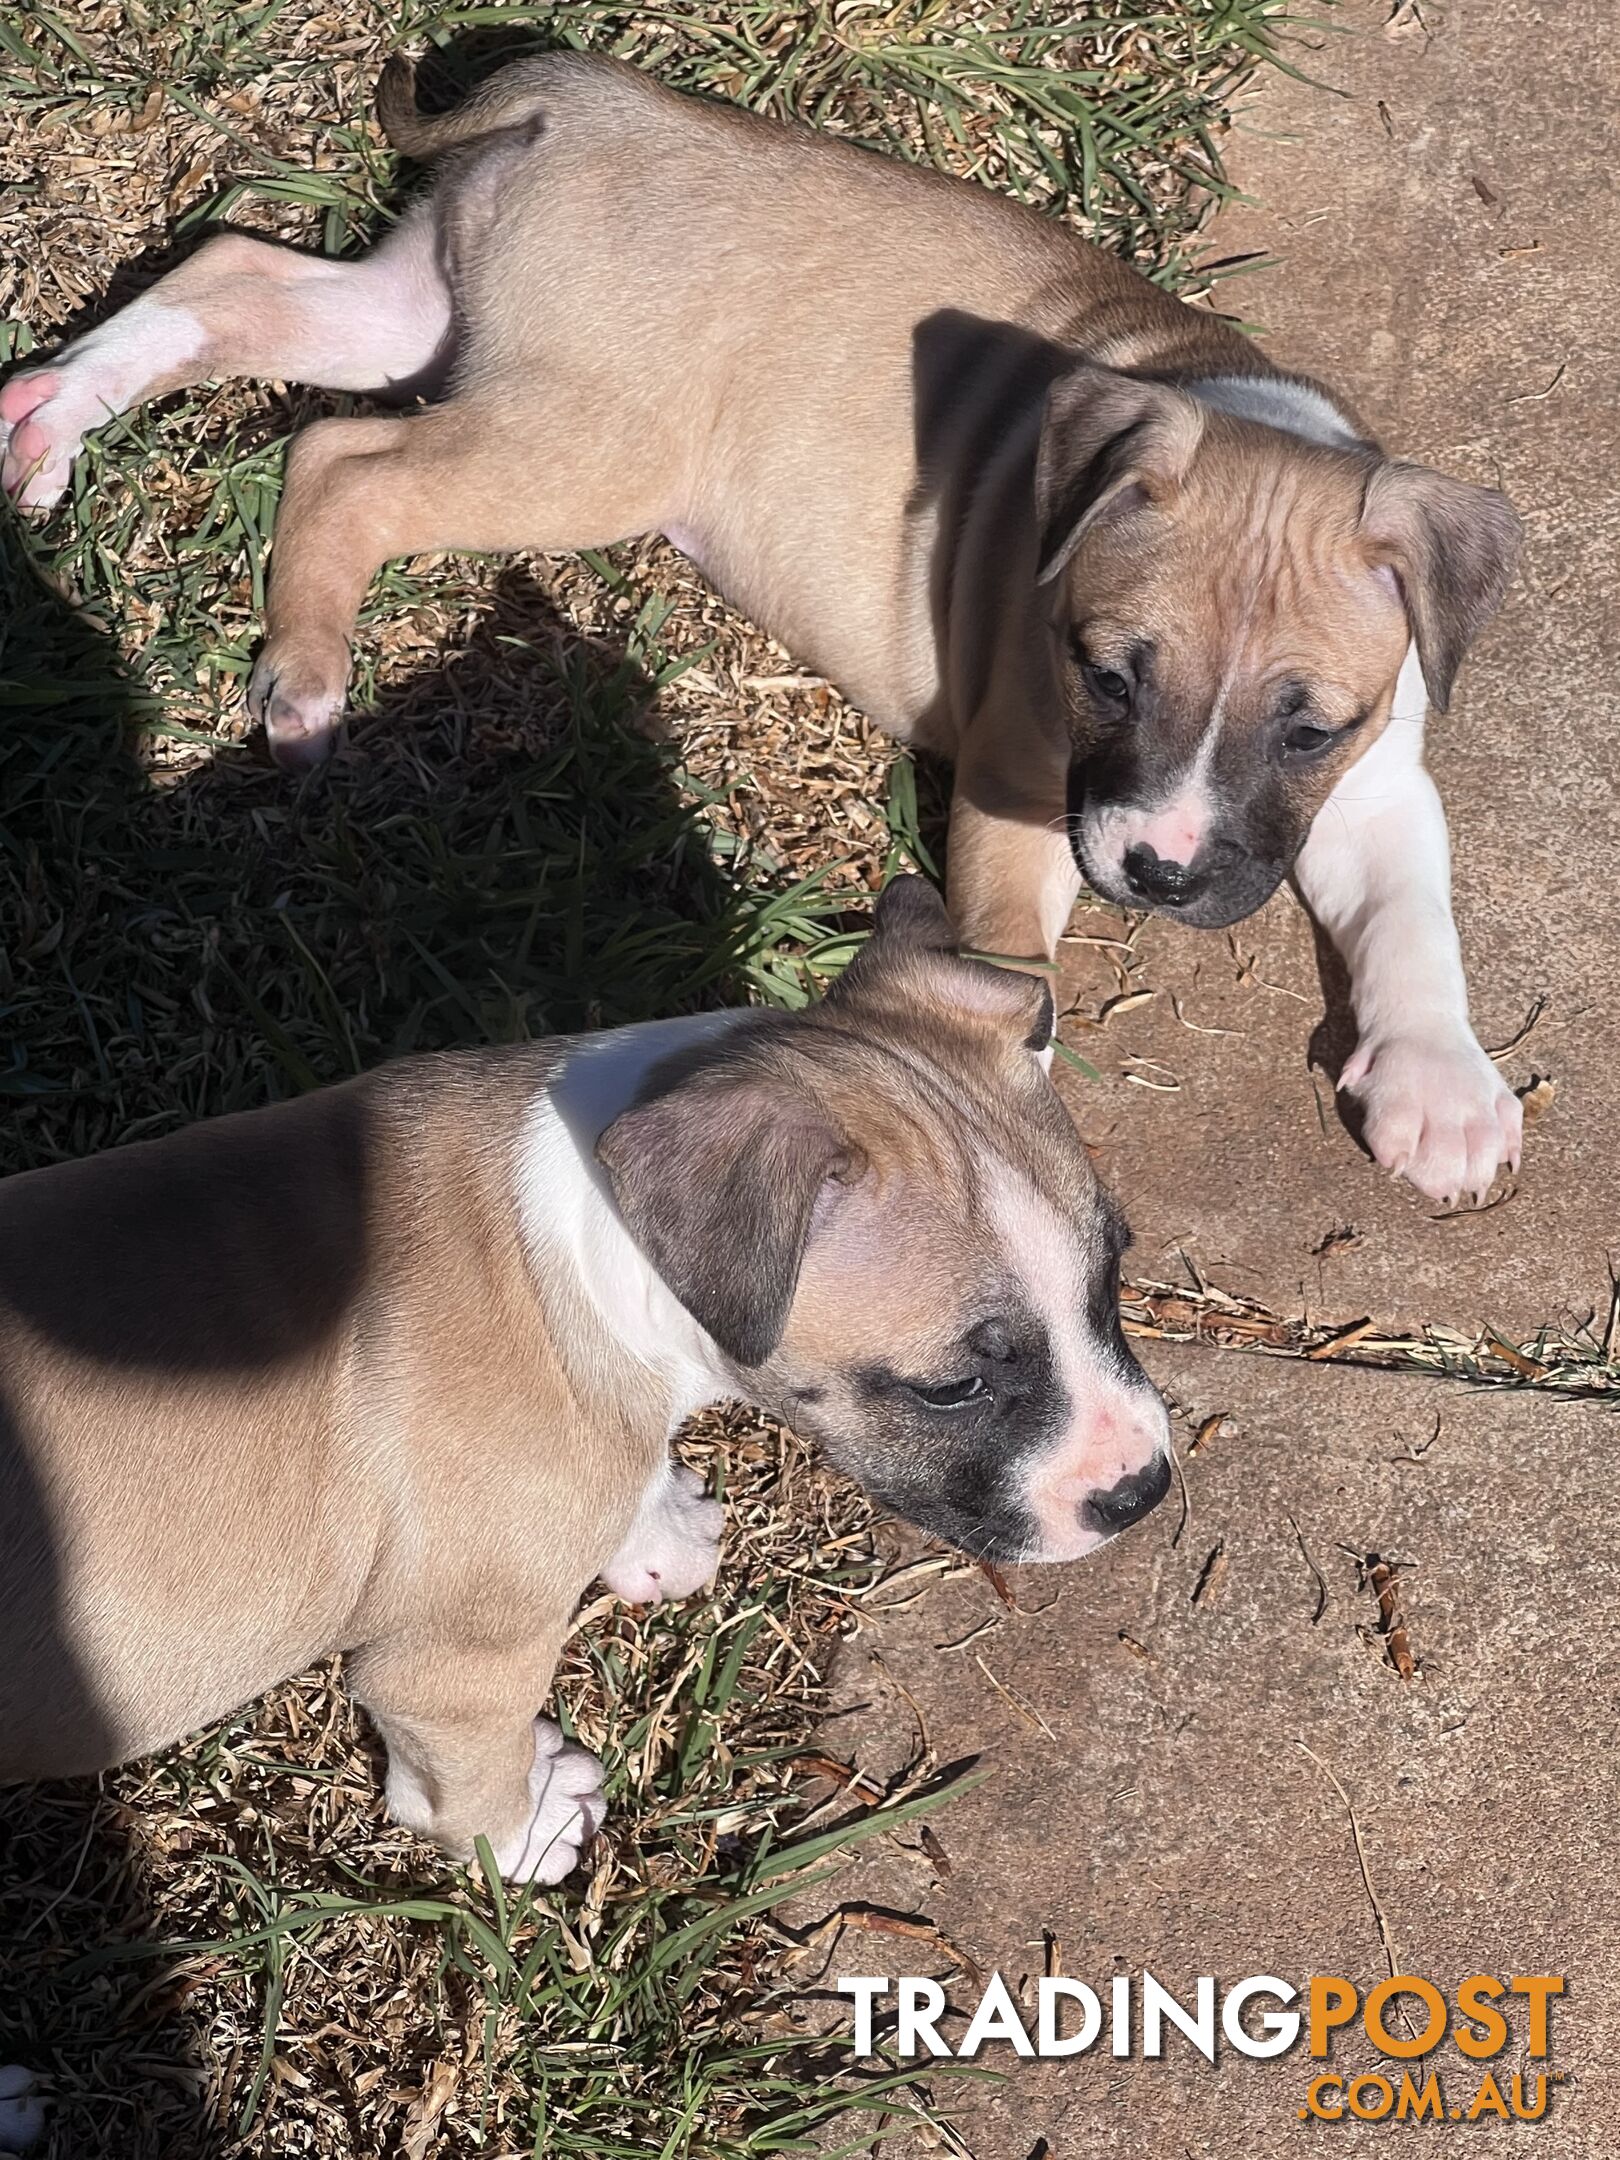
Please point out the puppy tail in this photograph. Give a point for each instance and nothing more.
(510, 98)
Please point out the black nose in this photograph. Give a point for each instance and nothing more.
(1129, 1500)
(1159, 881)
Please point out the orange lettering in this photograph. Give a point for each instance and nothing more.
(1472, 2004)
(1537, 1989)
(1419, 2043)
(1333, 2002)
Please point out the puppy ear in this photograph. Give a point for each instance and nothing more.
(911, 912)
(1013, 1001)
(1109, 445)
(1452, 547)
(912, 925)
(718, 1182)
(1042, 1020)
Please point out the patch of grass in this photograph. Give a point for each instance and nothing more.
(1108, 113)
(528, 860)
(583, 792)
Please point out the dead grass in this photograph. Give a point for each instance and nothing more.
(585, 793)
(1576, 1357)
(228, 1949)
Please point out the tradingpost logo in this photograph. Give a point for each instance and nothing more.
(1440, 2050)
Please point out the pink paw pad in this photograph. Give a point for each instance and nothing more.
(38, 456)
(26, 393)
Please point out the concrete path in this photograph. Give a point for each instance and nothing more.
(1446, 243)
(1150, 1802)
(1447, 238)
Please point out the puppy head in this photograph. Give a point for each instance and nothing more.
(885, 1219)
(1233, 606)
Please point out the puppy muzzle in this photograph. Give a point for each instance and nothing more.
(1222, 883)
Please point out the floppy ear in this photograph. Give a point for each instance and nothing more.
(911, 923)
(911, 912)
(1452, 546)
(718, 1182)
(910, 919)
(1109, 444)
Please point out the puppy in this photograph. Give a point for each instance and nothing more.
(1173, 614)
(392, 1369)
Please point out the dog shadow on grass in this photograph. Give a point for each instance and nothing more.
(505, 851)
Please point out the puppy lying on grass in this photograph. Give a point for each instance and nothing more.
(392, 1369)
(1173, 614)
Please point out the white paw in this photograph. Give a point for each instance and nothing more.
(567, 1805)
(46, 412)
(674, 1544)
(1436, 1112)
(22, 2112)
(42, 424)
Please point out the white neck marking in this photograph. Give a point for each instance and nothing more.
(1273, 401)
(571, 1226)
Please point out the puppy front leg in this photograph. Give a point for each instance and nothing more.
(468, 1758)
(1375, 872)
(1010, 872)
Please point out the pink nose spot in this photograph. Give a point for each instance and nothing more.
(1102, 1456)
(1174, 835)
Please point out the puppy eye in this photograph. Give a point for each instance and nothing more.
(1303, 740)
(953, 1395)
(1109, 685)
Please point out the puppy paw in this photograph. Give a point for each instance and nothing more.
(22, 2112)
(42, 427)
(298, 689)
(1436, 1112)
(674, 1544)
(566, 1804)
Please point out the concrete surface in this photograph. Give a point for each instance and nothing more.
(1446, 239)
(1149, 1803)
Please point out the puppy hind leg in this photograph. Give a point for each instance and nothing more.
(238, 306)
(360, 492)
(378, 323)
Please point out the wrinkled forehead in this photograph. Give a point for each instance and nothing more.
(1252, 583)
(910, 1262)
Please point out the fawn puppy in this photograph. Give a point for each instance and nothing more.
(1172, 613)
(392, 1369)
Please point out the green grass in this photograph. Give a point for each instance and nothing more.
(1108, 112)
(568, 802)
(595, 2024)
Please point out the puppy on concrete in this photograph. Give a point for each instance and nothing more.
(392, 1369)
(1172, 612)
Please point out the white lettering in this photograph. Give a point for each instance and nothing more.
(996, 2019)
